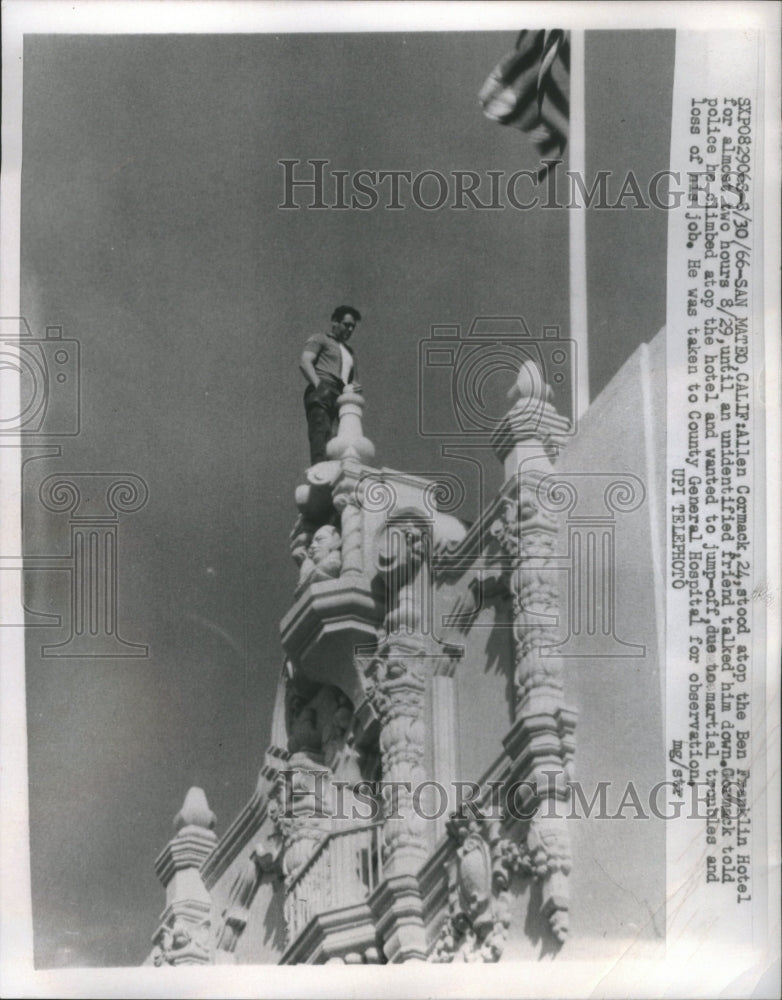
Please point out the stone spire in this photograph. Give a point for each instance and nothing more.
(183, 936)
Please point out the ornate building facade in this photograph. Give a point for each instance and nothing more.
(461, 711)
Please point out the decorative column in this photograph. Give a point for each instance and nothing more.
(353, 450)
(184, 935)
(527, 536)
(540, 744)
(397, 678)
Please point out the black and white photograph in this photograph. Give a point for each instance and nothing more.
(389, 436)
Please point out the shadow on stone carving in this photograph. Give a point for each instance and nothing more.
(536, 927)
(274, 919)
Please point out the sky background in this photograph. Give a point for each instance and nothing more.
(151, 233)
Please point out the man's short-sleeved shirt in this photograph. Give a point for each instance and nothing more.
(329, 357)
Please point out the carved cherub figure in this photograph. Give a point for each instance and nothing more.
(181, 941)
(324, 557)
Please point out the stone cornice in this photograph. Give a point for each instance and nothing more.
(191, 846)
(539, 737)
(331, 934)
(329, 601)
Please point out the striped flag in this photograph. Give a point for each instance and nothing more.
(529, 89)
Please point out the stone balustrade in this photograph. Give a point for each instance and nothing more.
(345, 869)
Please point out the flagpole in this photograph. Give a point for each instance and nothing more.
(577, 225)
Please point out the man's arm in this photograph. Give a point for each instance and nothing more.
(307, 367)
(354, 383)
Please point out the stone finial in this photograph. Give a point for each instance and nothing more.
(350, 441)
(531, 421)
(195, 811)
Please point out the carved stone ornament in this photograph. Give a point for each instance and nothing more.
(264, 859)
(323, 557)
(300, 821)
(348, 502)
(300, 538)
(369, 956)
(526, 534)
(547, 858)
(183, 943)
(396, 682)
(477, 925)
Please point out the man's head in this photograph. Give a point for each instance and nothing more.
(325, 540)
(343, 322)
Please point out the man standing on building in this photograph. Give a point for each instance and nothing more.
(328, 365)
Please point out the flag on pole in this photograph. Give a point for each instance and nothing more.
(529, 89)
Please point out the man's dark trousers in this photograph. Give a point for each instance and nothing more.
(320, 405)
